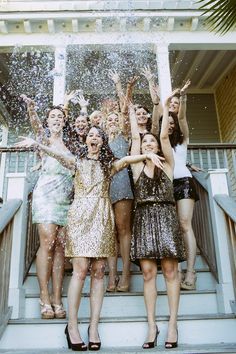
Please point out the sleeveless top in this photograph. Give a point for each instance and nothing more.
(180, 157)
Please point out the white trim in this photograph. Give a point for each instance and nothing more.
(59, 75)
(3, 158)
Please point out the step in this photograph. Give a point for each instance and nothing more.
(182, 349)
(125, 332)
(116, 305)
(199, 264)
(205, 281)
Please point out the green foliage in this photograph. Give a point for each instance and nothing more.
(221, 14)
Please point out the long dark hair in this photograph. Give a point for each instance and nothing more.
(157, 171)
(106, 156)
(177, 136)
(68, 135)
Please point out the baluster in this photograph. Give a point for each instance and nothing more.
(217, 158)
(200, 158)
(209, 163)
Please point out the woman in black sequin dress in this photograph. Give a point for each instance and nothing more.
(156, 234)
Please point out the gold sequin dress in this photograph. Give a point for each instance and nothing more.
(91, 226)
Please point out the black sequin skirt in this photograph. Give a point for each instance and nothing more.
(156, 233)
(184, 188)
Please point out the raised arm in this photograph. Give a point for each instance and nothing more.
(164, 138)
(67, 98)
(183, 124)
(35, 122)
(115, 77)
(66, 159)
(155, 96)
(129, 93)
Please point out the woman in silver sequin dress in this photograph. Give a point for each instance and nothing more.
(91, 227)
(156, 234)
(52, 197)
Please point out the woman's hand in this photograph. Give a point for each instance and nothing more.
(114, 76)
(26, 142)
(185, 87)
(146, 72)
(82, 101)
(156, 159)
(173, 94)
(30, 103)
(132, 80)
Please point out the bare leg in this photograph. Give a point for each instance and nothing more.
(170, 272)
(122, 211)
(112, 266)
(185, 214)
(96, 297)
(58, 266)
(47, 236)
(80, 268)
(149, 270)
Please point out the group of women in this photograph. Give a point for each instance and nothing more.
(83, 202)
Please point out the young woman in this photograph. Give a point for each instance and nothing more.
(156, 234)
(184, 189)
(52, 197)
(121, 197)
(91, 228)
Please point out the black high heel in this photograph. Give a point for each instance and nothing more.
(150, 345)
(78, 347)
(93, 345)
(171, 345)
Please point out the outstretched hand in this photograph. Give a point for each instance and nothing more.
(30, 103)
(156, 159)
(173, 93)
(114, 76)
(82, 101)
(26, 142)
(146, 72)
(132, 80)
(70, 96)
(185, 87)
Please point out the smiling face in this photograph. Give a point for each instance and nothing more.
(112, 122)
(55, 121)
(94, 141)
(141, 116)
(81, 125)
(174, 105)
(96, 118)
(149, 144)
(171, 125)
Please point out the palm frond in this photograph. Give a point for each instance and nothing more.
(221, 14)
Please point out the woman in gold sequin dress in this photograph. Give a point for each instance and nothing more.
(91, 228)
(156, 234)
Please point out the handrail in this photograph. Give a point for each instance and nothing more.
(211, 146)
(7, 212)
(227, 204)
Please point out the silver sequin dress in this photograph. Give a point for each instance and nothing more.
(53, 193)
(156, 232)
(91, 225)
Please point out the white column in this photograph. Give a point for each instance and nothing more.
(59, 75)
(18, 189)
(3, 158)
(163, 69)
(217, 184)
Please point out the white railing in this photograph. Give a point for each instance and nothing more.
(7, 215)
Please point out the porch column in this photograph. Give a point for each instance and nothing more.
(163, 69)
(59, 75)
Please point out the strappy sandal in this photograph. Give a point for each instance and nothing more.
(186, 285)
(59, 311)
(46, 310)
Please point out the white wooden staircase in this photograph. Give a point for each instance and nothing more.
(123, 322)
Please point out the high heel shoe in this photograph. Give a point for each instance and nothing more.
(78, 347)
(186, 285)
(94, 345)
(171, 345)
(150, 345)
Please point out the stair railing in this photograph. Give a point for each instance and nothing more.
(228, 205)
(7, 218)
(212, 234)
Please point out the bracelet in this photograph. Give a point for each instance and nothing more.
(155, 104)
